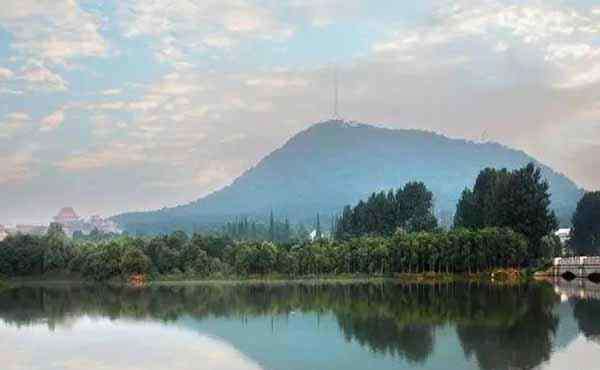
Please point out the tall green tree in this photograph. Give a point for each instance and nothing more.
(318, 231)
(271, 227)
(519, 200)
(585, 236)
(478, 208)
(467, 213)
(524, 206)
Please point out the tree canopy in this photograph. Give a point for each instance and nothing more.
(585, 235)
(519, 200)
(409, 208)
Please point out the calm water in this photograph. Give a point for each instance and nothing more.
(350, 326)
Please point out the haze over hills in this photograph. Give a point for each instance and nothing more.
(335, 163)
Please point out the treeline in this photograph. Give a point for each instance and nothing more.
(409, 209)
(518, 200)
(456, 251)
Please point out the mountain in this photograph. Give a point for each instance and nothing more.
(335, 163)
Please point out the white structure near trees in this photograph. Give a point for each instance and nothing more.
(564, 235)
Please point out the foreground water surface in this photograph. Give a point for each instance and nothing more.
(293, 326)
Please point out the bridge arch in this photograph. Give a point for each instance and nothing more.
(577, 267)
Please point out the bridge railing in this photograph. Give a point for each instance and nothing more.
(577, 261)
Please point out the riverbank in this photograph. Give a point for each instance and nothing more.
(493, 276)
(500, 276)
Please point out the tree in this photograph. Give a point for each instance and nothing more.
(585, 236)
(467, 214)
(134, 261)
(409, 208)
(318, 234)
(524, 206)
(478, 208)
(518, 200)
(271, 227)
(57, 253)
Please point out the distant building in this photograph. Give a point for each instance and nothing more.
(72, 222)
(564, 235)
(66, 216)
(3, 233)
(102, 224)
(30, 229)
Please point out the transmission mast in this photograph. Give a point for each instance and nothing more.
(336, 94)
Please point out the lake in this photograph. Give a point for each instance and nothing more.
(301, 326)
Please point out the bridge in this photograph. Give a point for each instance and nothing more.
(577, 267)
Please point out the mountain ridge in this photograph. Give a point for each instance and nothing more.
(334, 163)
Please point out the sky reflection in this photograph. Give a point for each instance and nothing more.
(99, 343)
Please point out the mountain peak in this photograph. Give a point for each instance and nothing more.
(339, 122)
(337, 162)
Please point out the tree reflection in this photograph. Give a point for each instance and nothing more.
(521, 343)
(586, 313)
(501, 326)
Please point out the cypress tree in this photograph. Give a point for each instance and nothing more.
(271, 227)
(585, 236)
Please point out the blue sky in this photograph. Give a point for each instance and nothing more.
(109, 106)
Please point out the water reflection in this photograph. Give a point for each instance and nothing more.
(133, 346)
(402, 326)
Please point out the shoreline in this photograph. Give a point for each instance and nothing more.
(490, 277)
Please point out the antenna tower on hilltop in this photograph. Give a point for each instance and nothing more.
(336, 94)
(484, 136)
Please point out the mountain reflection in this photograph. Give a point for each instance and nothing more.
(501, 327)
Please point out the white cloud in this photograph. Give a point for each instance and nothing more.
(180, 28)
(561, 41)
(113, 105)
(19, 116)
(111, 92)
(16, 167)
(114, 154)
(40, 77)
(322, 13)
(278, 82)
(5, 73)
(52, 121)
(219, 41)
(52, 31)
(7, 91)
(12, 124)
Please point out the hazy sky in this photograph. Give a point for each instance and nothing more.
(121, 105)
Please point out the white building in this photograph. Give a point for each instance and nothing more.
(3, 233)
(564, 235)
(72, 222)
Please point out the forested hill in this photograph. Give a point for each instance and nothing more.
(335, 163)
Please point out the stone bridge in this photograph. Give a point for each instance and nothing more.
(581, 267)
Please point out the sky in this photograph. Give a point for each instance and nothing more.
(112, 106)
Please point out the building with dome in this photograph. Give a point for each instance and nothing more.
(72, 222)
(66, 216)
